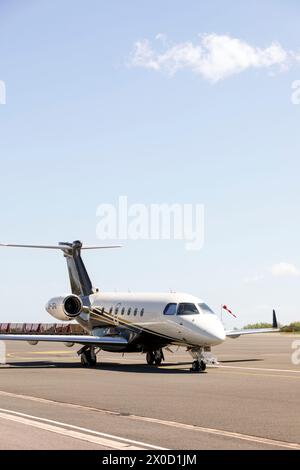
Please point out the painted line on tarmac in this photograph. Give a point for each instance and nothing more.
(222, 433)
(75, 432)
(50, 353)
(256, 374)
(174, 364)
(259, 369)
(174, 424)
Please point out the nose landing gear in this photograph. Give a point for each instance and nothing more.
(198, 366)
(200, 359)
(155, 357)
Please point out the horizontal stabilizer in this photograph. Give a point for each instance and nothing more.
(60, 247)
(79, 278)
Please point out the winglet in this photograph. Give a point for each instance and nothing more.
(275, 324)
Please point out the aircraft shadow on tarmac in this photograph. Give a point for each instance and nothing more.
(104, 366)
(166, 368)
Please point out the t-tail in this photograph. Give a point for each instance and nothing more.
(81, 284)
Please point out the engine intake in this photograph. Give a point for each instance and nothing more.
(72, 306)
(65, 308)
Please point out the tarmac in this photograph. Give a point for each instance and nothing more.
(250, 400)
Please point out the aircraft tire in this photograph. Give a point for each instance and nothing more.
(150, 358)
(88, 359)
(196, 366)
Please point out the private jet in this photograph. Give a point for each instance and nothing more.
(130, 322)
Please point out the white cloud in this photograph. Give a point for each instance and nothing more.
(214, 58)
(284, 270)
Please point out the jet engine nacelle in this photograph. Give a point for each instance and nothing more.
(65, 308)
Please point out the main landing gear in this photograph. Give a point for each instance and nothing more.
(155, 357)
(88, 356)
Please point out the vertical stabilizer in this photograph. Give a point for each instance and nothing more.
(79, 278)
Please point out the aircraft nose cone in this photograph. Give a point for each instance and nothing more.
(217, 332)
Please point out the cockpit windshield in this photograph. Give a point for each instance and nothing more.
(187, 309)
(205, 308)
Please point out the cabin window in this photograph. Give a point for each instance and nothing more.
(129, 311)
(123, 311)
(116, 310)
(187, 309)
(110, 310)
(170, 309)
(142, 312)
(135, 312)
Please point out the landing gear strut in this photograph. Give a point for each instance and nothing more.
(199, 364)
(155, 357)
(88, 356)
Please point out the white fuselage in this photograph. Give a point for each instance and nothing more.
(147, 312)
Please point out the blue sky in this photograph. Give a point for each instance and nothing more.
(84, 123)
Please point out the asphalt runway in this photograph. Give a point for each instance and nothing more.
(251, 400)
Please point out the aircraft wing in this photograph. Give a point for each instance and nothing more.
(80, 339)
(238, 333)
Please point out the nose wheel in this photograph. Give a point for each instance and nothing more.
(198, 366)
(200, 359)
